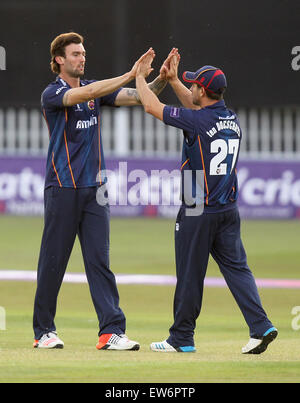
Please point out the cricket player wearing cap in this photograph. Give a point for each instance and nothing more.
(211, 143)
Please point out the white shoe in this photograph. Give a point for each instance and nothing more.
(165, 347)
(49, 340)
(112, 341)
(259, 345)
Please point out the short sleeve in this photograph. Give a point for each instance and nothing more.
(181, 118)
(52, 97)
(109, 100)
(106, 100)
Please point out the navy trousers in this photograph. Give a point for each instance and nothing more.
(71, 212)
(196, 238)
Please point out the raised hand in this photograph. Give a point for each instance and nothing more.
(169, 68)
(144, 62)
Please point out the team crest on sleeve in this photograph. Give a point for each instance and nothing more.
(91, 105)
(174, 112)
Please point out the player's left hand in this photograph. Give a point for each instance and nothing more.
(146, 59)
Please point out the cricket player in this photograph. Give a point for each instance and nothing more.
(211, 143)
(75, 170)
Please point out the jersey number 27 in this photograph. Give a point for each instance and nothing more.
(222, 148)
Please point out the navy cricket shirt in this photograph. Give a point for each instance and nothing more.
(75, 154)
(212, 137)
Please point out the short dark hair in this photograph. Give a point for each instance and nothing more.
(213, 95)
(57, 47)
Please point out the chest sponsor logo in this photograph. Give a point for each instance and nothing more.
(85, 124)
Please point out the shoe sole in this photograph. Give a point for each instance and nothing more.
(156, 350)
(136, 347)
(57, 347)
(60, 347)
(188, 349)
(264, 344)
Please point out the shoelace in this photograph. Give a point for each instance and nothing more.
(114, 338)
(47, 336)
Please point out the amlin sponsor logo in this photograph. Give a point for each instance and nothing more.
(85, 124)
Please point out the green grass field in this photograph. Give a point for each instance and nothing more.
(141, 246)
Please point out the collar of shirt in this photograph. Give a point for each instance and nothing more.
(219, 104)
(59, 79)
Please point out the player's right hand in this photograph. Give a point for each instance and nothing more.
(144, 65)
(169, 68)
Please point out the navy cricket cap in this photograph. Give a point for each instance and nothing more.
(209, 77)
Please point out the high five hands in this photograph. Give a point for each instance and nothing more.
(168, 70)
(144, 63)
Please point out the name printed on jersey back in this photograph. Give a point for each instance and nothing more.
(222, 125)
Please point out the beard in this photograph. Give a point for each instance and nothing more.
(75, 72)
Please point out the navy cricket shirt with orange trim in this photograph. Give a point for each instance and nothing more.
(75, 154)
(212, 138)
